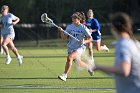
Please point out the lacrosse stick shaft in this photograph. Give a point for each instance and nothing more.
(66, 32)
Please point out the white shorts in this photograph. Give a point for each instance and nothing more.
(80, 50)
(11, 36)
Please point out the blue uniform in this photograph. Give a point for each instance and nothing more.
(94, 24)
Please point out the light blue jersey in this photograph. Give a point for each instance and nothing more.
(78, 32)
(7, 27)
(128, 50)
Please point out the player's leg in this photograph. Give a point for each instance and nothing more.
(84, 62)
(15, 51)
(5, 42)
(97, 40)
(68, 65)
(90, 49)
(101, 48)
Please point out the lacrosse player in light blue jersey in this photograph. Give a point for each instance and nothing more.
(75, 48)
(8, 34)
(127, 56)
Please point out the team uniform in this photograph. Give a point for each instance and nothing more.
(78, 32)
(73, 45)
(7, 30)
(7, 27)
(128, 50)
(94, 24)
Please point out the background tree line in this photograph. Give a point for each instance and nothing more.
(60, 10)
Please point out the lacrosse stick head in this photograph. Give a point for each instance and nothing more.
(45, 18)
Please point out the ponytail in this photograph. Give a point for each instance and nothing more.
(83, 18)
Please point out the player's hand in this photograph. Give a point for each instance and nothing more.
(13, 23)
(90, 30)
(83, 41)
(60, 29)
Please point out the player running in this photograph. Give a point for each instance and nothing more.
(74, 47)
(94, 26)
(8, 34)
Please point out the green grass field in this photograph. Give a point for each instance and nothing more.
(40, 69)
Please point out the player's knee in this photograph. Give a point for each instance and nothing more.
(13, 48)
(71, 57)
(3, 45)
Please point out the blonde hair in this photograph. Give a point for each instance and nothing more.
(5, 7)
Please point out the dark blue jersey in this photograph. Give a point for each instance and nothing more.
(93, 24)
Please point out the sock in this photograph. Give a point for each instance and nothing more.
(18, 56)
(65, 74)
(92, 57)
(8, 56)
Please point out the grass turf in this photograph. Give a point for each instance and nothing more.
(40, 69)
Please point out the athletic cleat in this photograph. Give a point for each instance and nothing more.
(106, 48)
(20, 58)
(8, 60)
(62, 77)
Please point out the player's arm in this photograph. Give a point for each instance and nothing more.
(63, 36)
(121, 69)
(15, 21)
(88, 40)
(88, 35)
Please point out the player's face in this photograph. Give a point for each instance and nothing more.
(90, 15)
(76, 21)
(4, 11)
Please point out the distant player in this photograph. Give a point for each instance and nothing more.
(8, 34)
(74, 47)
(94, 26)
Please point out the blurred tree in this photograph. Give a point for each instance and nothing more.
(60, 10)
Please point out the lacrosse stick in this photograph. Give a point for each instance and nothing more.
(47, 20)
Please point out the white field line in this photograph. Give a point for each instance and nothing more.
(49, 87)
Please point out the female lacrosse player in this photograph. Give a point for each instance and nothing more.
(75, 48)
(8, 34)
(127, 61)
(94, 26)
